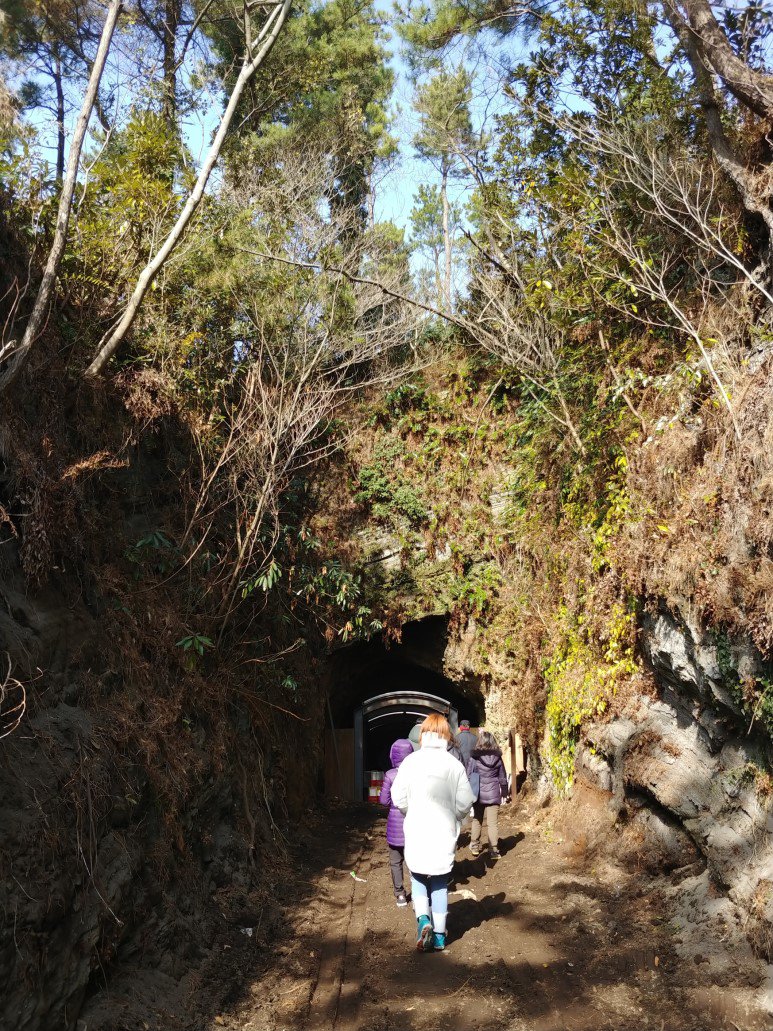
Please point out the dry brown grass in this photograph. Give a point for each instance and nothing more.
(704, 502)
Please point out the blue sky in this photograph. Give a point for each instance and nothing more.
(395, 189)
(394, 196)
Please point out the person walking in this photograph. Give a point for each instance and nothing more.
(465, 741)
(486, 761)
(395, 834)
(432, 790)
(453, 750)
(413, 733)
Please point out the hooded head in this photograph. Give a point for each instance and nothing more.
(399, 750)
(485, 745)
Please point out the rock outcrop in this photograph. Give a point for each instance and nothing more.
(688, 756)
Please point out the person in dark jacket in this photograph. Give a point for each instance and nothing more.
(465, 741)
(394, 831)
(486, 761)
(454, 751)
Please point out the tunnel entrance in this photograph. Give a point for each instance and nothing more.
(377, 693)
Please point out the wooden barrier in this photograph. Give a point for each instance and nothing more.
(339, 765)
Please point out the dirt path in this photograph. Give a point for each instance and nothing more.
(543, 940)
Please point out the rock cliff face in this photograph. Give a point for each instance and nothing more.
(687, 757)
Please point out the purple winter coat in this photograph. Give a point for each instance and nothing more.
(394, 831)
(493, 776)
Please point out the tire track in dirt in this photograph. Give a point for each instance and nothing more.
(324, 1002)
(334, 997)
(351, 989)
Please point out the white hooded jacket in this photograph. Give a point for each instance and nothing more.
(433, 791)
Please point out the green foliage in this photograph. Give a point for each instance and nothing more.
(333, 587)
(385, 490)
(135, 182)
(475, 593)
(195, 643)
(327, 84)
(428, 28)
(756, 774)
(265, 579)
(408, 397)
(725, 659)
(427, 224)
(393, 253)
(548, 424)
(759, 700)
(427, 219)
(153, 553)
(754, 696)
(290, 684)
(445, 127)
(581, 680)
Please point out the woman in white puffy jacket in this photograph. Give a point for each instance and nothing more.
(432, 789)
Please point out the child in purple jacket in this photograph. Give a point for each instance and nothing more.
(394, 830)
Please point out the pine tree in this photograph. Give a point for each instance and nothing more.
(445, 134)
(428, 223)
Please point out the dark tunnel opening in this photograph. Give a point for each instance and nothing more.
(377, 693)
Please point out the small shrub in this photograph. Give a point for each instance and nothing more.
(475, 593)
(195, 644)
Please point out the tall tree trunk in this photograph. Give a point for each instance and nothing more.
(252, 61)
(370, 201)
(752, 88)
(13, 355)
(59, 118)
(746, 182)
(171, 25)
(446, 237)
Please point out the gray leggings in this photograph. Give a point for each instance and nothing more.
(491, 815)
(396, 860)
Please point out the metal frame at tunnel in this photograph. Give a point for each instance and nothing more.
(382, 706)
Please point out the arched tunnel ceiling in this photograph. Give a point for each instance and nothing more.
(396, 699)
(367, 668)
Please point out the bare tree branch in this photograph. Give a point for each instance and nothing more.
(13, 702)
